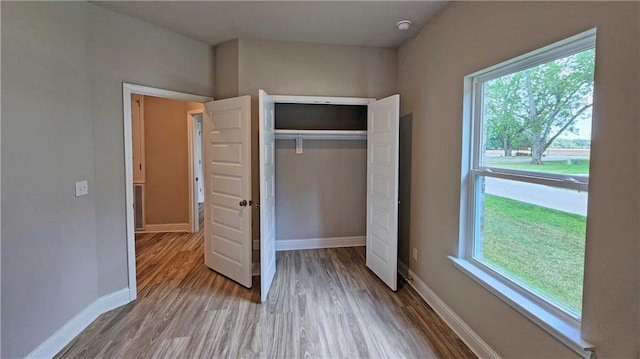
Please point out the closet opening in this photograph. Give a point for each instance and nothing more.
(329, 178)
(321, 175)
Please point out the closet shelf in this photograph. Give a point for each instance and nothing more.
(321, 134)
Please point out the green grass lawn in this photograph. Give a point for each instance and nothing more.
(541, 247)
(559, 167)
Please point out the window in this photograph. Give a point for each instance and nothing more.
(525, 177)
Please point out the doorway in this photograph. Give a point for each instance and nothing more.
(128, 91)
(196, 170)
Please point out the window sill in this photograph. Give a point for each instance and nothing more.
(565, 331)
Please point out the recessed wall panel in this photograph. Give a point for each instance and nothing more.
(227, 249)
(269, 153)
(380, 249)
(227, 120)
(227, 217)
(380, 154)
(380, 218)
(226, 153)
(270, 187)
(226, 185)
(380, 185)
(381, 124)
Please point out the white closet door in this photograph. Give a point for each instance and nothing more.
(227, 221)
(382, 188)
(267, 193)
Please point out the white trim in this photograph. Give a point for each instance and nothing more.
(322, 100)
(166, 227)
(567, 331)
(565, 47)
(579, 183)
(63, 336)
(557, 321)
(194, 215)
(315, 243)
(477, 345)
(127, 90)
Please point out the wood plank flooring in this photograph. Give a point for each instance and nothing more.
(323, 304)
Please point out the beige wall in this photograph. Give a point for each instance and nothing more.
(167, 160)
(294, 68)
(49, 261)
(123, 49)
(63, 64)
(226, 70)
(291, 68)
(467, 37)
(321, 193)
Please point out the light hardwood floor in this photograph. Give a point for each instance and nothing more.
(323, 303)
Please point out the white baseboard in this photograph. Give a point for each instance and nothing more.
(315, 243)
(167, 227)
(63, 336)
(478, 346)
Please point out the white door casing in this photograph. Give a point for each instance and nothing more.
(267, 207)
(227, 154)
(382, 188)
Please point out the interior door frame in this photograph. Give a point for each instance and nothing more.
(127, 90)
(194, 216)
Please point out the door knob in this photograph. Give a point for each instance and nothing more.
(243, 203)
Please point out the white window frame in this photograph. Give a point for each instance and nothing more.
(563, 325)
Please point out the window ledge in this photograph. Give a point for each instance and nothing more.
(565, 331)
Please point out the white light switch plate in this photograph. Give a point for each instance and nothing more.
(82, 188)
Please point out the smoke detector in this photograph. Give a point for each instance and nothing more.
(403, 24)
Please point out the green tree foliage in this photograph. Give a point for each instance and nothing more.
(533, 107)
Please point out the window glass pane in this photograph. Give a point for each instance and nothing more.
(534, 235)
(539, 119)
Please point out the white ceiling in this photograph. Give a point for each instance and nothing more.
(369, 23)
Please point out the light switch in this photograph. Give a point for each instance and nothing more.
(82, 188)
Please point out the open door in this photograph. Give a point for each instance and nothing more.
(227, 221)
(382, 189)
(267, 193)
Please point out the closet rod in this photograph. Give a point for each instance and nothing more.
(321, 134)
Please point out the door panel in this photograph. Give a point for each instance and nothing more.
(267, 193)
(227, 174)
(382, 189)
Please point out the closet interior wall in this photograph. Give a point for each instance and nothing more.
(320, 193)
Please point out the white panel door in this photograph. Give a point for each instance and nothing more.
(267, 193)
(227, 221)
(382, 188)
